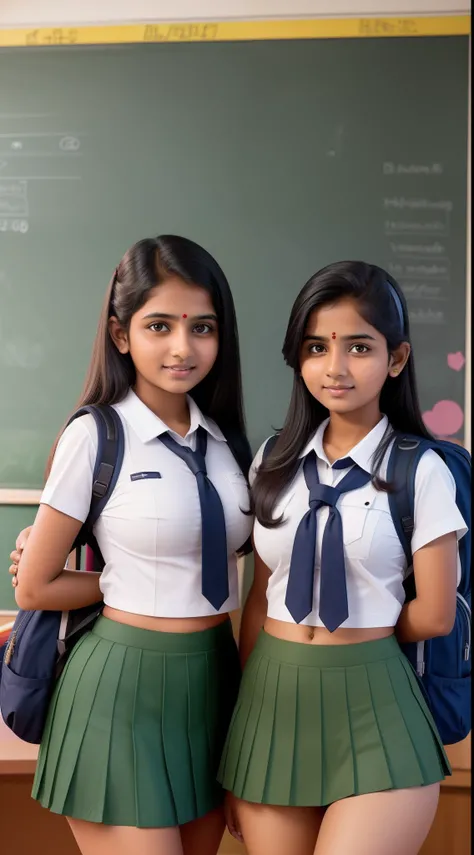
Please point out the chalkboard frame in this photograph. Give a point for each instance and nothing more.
(241, 29)
(19, 497)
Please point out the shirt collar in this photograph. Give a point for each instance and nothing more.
(148, 426)
(362, 453)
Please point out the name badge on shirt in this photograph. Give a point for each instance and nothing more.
(141, 476)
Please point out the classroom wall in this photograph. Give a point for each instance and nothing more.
(26, 12)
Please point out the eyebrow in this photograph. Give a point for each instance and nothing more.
(160, 315)
(324, 339)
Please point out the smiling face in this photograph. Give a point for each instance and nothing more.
(344, 361)
(173, 338)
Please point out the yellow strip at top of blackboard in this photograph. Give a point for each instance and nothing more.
(235, 31)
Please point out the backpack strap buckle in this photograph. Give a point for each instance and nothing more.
(101, 483)
(408, 444)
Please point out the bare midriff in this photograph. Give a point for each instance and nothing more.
(321, 635)
(162, 624)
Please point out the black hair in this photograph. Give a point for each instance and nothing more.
(382, 304)
(145, 265)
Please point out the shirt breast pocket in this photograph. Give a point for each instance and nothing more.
(138, 498)
(359, 521)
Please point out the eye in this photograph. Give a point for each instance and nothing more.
(159, 326)
(317, 348)
(203, 329)
(360, 348)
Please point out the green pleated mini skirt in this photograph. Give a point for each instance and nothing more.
(316, 724)
(137, 724)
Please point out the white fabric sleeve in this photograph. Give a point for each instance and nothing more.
(256, 462)
(69, 486)
(436, 511)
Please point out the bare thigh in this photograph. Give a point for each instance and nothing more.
(94, 838)
(393, 822)
(203, 836)
(274, 830)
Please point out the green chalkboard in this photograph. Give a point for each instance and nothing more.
(12, 521)
(279, 157)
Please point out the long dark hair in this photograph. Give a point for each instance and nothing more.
(382, 304)
(145, 265)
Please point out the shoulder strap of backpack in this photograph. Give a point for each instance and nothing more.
(401, 472)
(110, 449)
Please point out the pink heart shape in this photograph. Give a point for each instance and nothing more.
(445, 419)
(456, 361)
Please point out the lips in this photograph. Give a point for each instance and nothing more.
(179, 367)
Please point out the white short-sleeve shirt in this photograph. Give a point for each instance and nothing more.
(375, 562)
(149, 533)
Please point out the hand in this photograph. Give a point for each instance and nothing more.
(16, 554)
(231, 817)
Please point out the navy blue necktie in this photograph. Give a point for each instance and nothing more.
(333, 607)
(215, 574)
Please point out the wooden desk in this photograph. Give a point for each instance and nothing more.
(16, 757)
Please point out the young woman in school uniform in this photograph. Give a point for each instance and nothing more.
(332, 749)
(139, 716)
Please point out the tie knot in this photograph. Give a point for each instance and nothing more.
(195, 461)
(322, 494)
(344, 463)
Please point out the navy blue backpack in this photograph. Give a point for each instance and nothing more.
(442, 665)
(40, 641)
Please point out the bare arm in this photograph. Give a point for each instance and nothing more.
(20, 544)
(42, 583)
(433, 611)
(255, 609)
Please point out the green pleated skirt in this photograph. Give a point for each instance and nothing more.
(316, 724)
(137, 724)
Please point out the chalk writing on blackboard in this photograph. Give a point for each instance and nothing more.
(417, 204)
(69, 143)
(428, 317)
(391, 168)
(34, 153)
(414, 224)
(39, 144)
(424, 290)
(437, 228)
(13, 198)
(427, 249)
(17, 226)
(420, 269)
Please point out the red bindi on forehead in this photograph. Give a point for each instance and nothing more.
(185, 316)
(333, 335)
